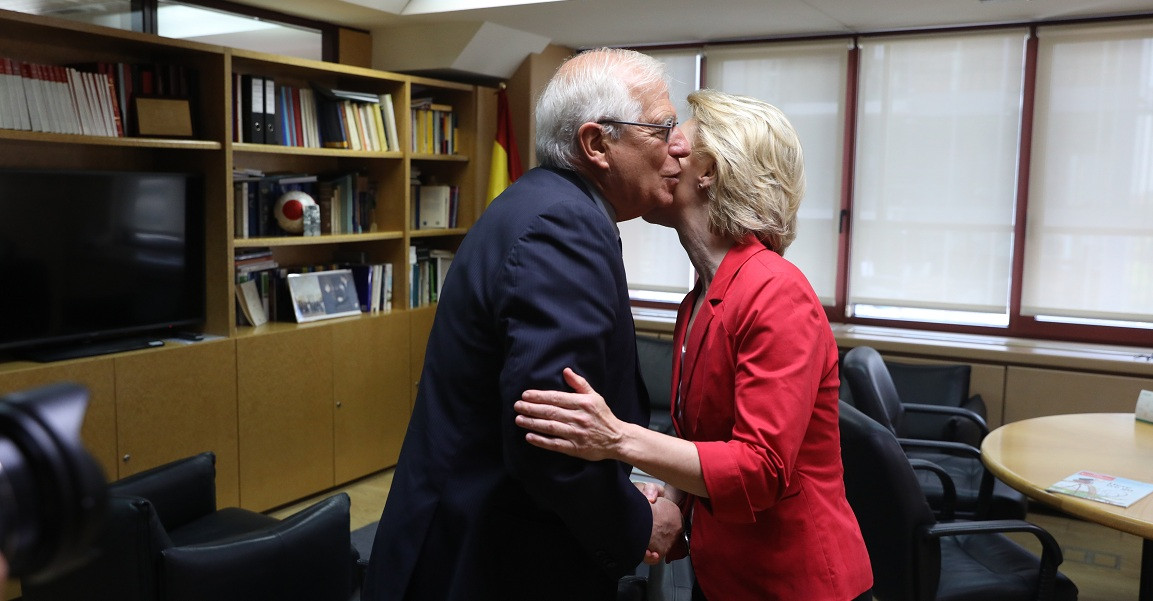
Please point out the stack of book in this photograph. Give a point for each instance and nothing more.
(93, 99)
(427, 270)
(255, 277)
(373, 286)
(267, 112)
(433, 127)
(347, 201)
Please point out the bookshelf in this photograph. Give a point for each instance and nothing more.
(290, 409)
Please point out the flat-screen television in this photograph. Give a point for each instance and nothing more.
(98, 261)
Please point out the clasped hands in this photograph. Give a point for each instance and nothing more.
(667, 541)
(581, 424)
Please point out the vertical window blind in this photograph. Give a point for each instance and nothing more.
(938, 132)
(806, 81)
(1089, 230)
(658, 268)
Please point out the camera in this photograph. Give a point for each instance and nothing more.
(52, 491)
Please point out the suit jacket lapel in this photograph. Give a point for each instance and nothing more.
(692, 341)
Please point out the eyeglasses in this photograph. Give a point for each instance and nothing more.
(667, 126)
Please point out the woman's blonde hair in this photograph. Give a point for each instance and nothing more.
(760, 170)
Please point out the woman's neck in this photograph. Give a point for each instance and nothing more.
(706, 250)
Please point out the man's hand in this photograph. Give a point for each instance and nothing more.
(667, 526)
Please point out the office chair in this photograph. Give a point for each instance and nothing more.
(979, 494)
(655, 359)
(946, 385)
(914, 556)
(164, 538)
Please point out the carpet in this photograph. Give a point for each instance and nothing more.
(362, 539)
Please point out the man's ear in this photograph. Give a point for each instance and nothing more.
(593, 144)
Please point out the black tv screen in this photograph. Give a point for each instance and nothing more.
(95, 256)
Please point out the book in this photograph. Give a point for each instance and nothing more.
(1103, 488)
(433, 206)
(386, 109)
(441, 261)
(250, 303)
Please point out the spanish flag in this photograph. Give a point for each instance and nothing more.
(505, 158)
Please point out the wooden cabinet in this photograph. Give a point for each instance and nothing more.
(371, 372)
(166, 411)
(284, 390)
(1032, 392)
(290, 409)
(98, 376)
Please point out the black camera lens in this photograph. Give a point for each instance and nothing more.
(52, 491)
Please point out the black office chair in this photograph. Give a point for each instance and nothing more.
(917, 558)
(655, 358)
(165, 539)
(979, 494)
(946, 385)
(632, 588)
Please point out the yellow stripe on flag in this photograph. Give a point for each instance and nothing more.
(505, 167)
(498, 178)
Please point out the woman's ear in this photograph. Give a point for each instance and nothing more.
(709, 177)
(593, 144)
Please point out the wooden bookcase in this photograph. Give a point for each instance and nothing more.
(290, 409)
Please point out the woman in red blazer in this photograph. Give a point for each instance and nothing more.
(757, 467)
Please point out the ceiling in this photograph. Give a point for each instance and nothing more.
(585, 23)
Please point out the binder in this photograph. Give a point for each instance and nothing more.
(252, 108)
(271, 128)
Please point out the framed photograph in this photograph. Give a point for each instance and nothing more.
(164, 117)
(323, 295)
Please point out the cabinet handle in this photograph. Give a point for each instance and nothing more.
(338, 404)
(127, 457)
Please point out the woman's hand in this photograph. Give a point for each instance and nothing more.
(576, 423)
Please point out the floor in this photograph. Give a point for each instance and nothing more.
(1105, 564)
(367, 496)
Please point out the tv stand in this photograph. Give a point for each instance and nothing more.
(91, 349)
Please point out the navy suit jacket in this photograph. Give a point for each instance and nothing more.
(474, 511)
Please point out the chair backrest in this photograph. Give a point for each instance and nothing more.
(181, 491)
(890, 507)
(931, 384)
(873, 390)
(306, 557)
(124, 559)
(655, 358)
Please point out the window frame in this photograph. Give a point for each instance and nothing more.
(1019, 326)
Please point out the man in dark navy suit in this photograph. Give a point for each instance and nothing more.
(537, 285)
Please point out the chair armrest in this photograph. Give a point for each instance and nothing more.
(976, 404)
(958, 412)
(952, 448)
(1051, 555)
(985, 489)
(948, 488)
(180, 491)
(307, 556)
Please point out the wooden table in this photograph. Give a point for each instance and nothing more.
(1033, 454)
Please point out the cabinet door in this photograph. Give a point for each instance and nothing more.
(178, 402)
(372, 394)
(285, 413)
(96, 374)
(1034, 392)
